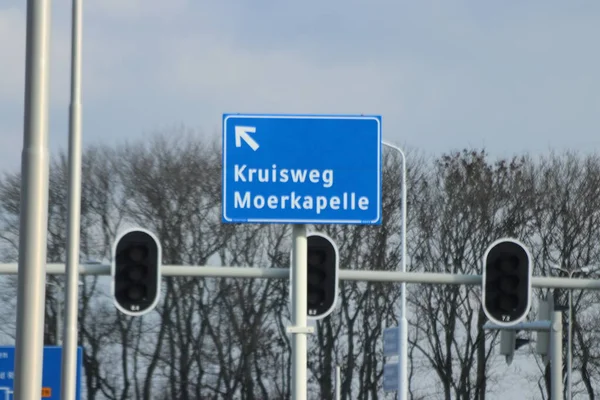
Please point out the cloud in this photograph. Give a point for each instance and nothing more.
(513, 76)
(135, 10)
(12, 30)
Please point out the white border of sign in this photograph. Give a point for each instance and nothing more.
(529, 273)
(113, 267)
(301, 116)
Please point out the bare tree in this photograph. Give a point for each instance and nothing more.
(466, 203)
(351, 336)
(226, 338)
(567, 214)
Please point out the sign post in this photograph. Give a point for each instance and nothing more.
(301, 169)
(300, 329)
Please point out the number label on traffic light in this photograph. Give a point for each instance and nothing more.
(136, 271)
(506, 282)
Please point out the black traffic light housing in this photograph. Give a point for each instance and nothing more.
(136, 271)
(506, 283)
(322, 275)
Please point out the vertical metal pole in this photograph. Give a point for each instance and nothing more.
(338, 383)
(34, 206)
(556, 362)
(570, 346)
(69, 356)
(59, 306)
(299, 307)
(403, 393)
(403, 324)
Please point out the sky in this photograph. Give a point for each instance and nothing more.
(511, 77)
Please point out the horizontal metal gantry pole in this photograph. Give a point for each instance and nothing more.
(344, 274)
(521, 326)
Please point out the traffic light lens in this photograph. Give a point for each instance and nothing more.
(136, 272)
(137, 254)
(316, 297)
(508, 264)
(136, 293)
(316, 257)
(508, 303)
(315, 277)
(509, 283)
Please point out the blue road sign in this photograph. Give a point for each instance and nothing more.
(301, 169)
(51, 370)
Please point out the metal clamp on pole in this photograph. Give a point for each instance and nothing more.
(554, 326)
(300, 329)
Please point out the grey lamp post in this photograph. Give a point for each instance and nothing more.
(60, 305)
(402, 320)
(586, 270)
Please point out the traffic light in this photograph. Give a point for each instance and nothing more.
(135, 271)
(506, 289)
(322, 275)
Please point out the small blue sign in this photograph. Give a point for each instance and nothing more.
(391, 341)
(301, 169)
(391, 373)
(51, 370)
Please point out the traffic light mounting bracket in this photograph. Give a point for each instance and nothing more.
(555, 329)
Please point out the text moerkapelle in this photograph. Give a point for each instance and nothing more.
(294, 201)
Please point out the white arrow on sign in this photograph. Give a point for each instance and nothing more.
(241, 132)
